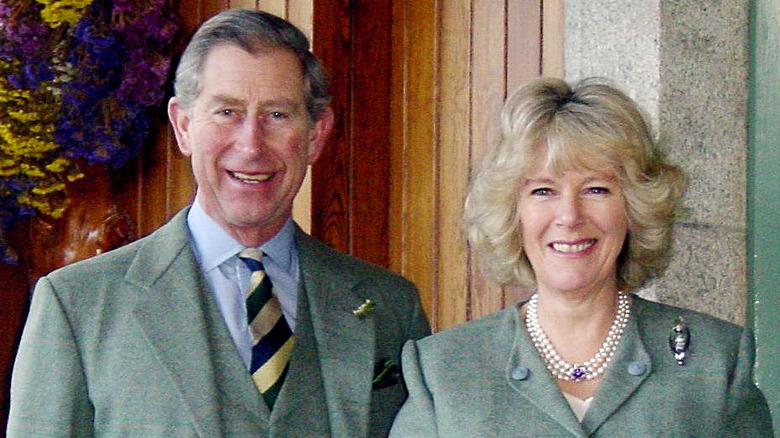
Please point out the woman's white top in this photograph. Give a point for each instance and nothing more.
(579, 406)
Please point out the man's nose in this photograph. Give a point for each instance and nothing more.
(252, 136)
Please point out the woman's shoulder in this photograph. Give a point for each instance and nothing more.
(661, 314)
(496, 328)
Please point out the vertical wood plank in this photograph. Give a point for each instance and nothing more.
(417, 138)
(331, 181)
(454, 85)
(249, 4)
(489, 89)
(299, 13)
(420, 161)
(276, 7)
(399, 68)
(524, 41)
(553, 31)
(370, 122)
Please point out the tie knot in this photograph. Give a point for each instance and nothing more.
(253, 258)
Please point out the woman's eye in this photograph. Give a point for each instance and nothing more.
(226, 112)
(599, 190)
(541, 191)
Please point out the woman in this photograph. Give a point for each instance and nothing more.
(577, 203)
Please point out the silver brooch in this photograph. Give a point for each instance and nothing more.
(680, 341)
(364, 309)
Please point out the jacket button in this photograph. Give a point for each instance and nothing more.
(637, 368)
(520, 373)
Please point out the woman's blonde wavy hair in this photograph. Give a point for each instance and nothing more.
(590, 125)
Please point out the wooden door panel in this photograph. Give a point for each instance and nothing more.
(350, 182)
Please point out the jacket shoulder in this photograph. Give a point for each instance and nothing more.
(114, 264)
(484, 334)
(654, 315)
(714, 338)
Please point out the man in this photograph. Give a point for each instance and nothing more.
(154, 339)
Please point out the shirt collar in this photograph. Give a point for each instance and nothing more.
(215, 246)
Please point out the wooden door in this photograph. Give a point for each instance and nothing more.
(453, 64)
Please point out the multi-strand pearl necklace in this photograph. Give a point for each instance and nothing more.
(593, 367)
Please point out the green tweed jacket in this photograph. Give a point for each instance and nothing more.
(485, 379)
(131, 343)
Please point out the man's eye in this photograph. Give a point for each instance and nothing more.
(278, 115)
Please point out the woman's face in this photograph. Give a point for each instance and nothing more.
(574, 226)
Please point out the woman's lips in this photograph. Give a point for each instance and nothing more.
(570, 248)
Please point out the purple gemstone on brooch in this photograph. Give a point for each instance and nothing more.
(577, 373)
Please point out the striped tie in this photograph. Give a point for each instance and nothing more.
(272, 338)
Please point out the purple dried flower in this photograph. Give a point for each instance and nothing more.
(117, 58)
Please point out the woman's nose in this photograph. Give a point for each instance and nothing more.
(569, 211)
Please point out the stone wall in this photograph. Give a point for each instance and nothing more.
(686, 63)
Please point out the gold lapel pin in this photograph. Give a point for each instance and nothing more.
(679, 341)
(364, 309)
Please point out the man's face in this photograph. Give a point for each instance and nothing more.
(250, 139)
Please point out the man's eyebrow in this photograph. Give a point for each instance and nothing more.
(225, 99)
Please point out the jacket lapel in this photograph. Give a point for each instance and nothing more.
(538, 388)
(175, 304)
(346, 343)
(619, 383)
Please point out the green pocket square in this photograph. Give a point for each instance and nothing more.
(386, 374)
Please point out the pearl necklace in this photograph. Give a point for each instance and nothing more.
(593, 367)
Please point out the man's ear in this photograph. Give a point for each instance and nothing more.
(318, 135)
(180, 121)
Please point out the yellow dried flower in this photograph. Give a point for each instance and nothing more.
(33, 171)
(45, 190)
(10, 171)
(75, 176)
(57, 13)
(58, 165)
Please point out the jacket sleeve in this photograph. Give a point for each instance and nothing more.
(417, 417)
(48, 388)
(748, 414)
